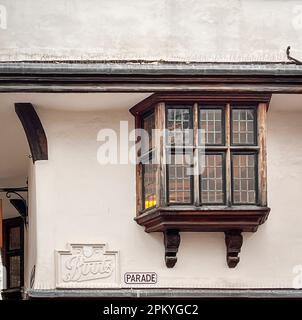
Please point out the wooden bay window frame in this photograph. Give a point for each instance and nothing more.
(228, 216)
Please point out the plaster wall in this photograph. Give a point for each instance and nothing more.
(192, 30)
(80, 201)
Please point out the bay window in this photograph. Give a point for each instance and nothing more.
(201, 166)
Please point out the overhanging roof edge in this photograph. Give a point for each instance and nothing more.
(151, 68)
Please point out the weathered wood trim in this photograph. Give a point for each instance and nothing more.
(161, 187)
(262, 155)
(176, 97)
(203, 219)
(138, 168)
(34, 131)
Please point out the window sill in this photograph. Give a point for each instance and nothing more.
(203, 219)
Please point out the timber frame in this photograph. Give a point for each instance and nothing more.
(197, 217)
(34, 131)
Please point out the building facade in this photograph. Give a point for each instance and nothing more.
(98, 221)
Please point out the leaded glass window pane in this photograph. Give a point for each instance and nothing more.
(14, 238)
(212, 178)
(178, 125)
(211, 126)
(244, 178)
(180, 178)
(148, 124)
(14, 271)
(149, 185)
(243, 126)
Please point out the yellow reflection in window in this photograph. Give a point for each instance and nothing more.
(150, 203)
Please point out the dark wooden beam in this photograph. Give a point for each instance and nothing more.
(191, 97)
(34, 131)
(199, 219)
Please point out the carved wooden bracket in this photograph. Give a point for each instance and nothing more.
(171, 221)
(233, 241)
(172, 241)
(34, 131)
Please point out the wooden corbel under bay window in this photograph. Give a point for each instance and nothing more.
(227, 147)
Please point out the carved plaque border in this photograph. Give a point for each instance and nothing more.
(85, 269)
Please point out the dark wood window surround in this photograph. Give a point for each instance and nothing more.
(13, 257)
(235, 199)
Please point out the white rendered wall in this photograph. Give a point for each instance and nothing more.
(209, 30)
(82, 202)
(30, 231)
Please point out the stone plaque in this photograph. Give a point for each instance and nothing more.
(87, 266)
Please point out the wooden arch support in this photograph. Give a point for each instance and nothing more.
(34, 130)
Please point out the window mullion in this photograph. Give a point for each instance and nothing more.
(228, 155)
(161, 185)
(262, 163)
(196, 163)
(139, 167)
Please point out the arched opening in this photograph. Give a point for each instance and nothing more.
(14, 164)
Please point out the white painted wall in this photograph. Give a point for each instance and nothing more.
(30, 231)
(209, 30)
(77, 200)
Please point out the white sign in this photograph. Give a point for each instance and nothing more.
(87, 266)
(140, 277)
